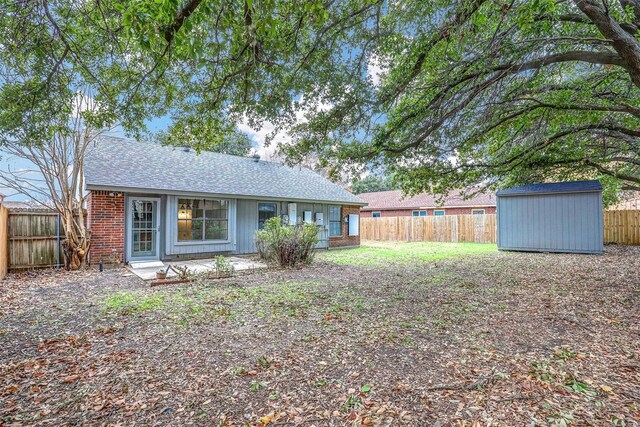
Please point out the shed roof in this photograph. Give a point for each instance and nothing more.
(394, 199)
(118, 163)
(553, 187)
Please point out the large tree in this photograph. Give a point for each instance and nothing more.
(372, 183)
(52, 174)
(236, 143)
(442, 93)
(65, 77)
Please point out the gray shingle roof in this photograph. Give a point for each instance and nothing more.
(553, 187)
(121, 163)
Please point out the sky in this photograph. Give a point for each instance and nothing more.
(158, 124)
(258, 136)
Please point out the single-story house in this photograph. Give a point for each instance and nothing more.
(151, 202)
(392, 203)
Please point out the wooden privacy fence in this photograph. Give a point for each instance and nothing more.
(448, 228)
(34, 239)
(622, 227)
(4, 242)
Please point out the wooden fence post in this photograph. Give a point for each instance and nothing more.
(4, 242)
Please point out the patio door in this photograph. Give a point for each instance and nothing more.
(144, 229)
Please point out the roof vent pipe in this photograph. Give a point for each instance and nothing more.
(256, 158)
(186, 148)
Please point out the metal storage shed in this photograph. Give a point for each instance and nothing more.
(554, 217)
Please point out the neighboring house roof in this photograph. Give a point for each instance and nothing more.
(394, 199)
(553, 187)
(118, 163)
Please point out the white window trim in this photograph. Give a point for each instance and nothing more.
(376, 212)
(177, 242)
(271, 202)
(473, 212)
(419, 210)
(444, 212)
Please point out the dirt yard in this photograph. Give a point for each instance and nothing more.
(473, 338)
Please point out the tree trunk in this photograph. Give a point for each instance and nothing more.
(76, 244)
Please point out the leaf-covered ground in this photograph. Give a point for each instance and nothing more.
(500, 339)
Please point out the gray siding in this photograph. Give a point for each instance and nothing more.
(247, 222)
(243, 223)
(560, 222)
(323, 232)
(247, 226)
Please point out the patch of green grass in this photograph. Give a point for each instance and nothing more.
(257, 385)
(293, 299)
(574, 385)
(124, 303)
(383, 253)
(464, 309)
(181, 306)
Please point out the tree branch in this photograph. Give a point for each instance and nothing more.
(183, 14)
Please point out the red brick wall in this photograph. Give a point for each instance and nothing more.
(345, 239)
(105, 219)
(447, 211)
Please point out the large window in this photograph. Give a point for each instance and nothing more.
(266, 211)
(335, 221)
(202, 219)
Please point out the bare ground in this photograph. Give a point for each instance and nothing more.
(505, 339)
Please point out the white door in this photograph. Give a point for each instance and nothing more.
(143, 234)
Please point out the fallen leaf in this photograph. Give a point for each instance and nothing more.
(71, 378)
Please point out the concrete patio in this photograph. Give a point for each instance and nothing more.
(146, 270)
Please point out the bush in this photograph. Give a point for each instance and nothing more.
(286, 245)
(223, 267)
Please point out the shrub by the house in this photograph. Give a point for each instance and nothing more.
(286, 245)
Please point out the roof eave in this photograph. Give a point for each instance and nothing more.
(99, 187)
(541, 193)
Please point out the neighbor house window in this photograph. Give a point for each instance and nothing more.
(375, 214)
(335, 221)
(478, 212)
(202, 219)
(265, 212)
(419, 213)
(438, 212)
